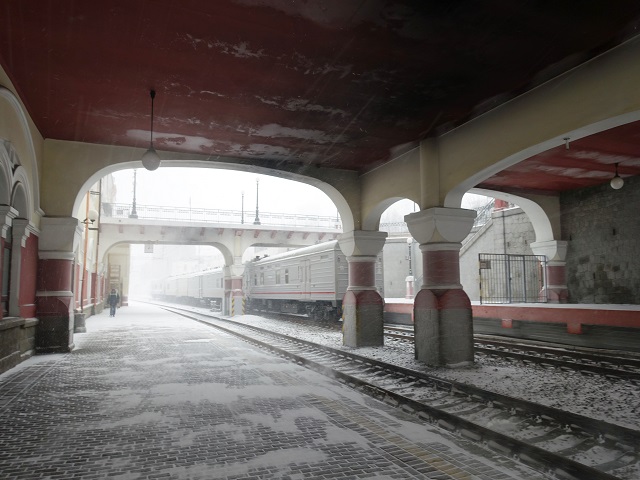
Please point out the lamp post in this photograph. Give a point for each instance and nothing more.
(95, 278)
(410, 279)
(410, 244)
(242, 216)
(257, 220)
(134, 212)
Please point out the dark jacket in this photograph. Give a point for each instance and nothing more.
(114, 299)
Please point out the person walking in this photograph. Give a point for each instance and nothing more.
(113, 301)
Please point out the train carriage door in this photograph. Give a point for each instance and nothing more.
(305, 279)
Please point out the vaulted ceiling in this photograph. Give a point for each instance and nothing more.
(338, 83)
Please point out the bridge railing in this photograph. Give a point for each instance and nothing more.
(212, 215)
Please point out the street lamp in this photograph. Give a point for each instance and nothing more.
(134, 212)
(257, 220)
(410, 280)
(410, 243)
(242, 216)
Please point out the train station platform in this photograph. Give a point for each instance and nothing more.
(151, 395)
(610, 326)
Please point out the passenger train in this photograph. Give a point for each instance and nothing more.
(205, 288)
(310, 280)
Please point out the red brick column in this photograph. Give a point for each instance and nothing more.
(443, 323)
(362, 306)
(54, 296)
(555, 288)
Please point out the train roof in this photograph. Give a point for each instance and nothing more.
(195, 274)
(318, 248)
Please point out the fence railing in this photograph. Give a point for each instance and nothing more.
(214, 215)
(210, 215)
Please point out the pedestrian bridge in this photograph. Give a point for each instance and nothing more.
(230, 231)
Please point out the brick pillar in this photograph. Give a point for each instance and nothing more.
(362, 306)
(54, 296)
(555, 288)
(443, 323)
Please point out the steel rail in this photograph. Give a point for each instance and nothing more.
(526, 452)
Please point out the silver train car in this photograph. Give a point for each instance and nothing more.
(310, 280)
(205, 288)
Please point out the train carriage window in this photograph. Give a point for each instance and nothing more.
(255, 279)
(286, 275)
(278, 277)
(261, 278)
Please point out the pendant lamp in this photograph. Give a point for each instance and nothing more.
(150, 159)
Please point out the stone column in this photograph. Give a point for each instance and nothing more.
(443, 322)
(555, 288)
(7, 214)
(21, 230)
(362, 306)
(59, 241)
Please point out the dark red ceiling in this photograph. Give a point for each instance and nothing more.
(339, 83)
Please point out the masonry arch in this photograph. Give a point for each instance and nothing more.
(108, 247)
(598, 95)
(20, 199)
(372, 220)
(5, 179)
(543, 214)
(19, 147)
(336, 193)
(454, 197)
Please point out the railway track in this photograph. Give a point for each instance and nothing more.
(553, 441)
(610, 366)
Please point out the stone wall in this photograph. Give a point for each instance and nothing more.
(602, 226)
(395, 259)
(17, 341)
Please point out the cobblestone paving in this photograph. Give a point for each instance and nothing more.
(149, 395)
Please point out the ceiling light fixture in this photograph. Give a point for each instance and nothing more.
(616, 182)
(150, 159)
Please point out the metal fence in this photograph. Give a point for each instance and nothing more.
(210, 215)
(512, 278)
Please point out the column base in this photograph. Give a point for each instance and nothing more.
(237, 305)
(54, 334)
(555, 295)
(79, 323)
(363, 319)
(443, 326)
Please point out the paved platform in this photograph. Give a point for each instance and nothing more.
(151, 395)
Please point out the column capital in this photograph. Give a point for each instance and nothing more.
(439, 224)
(554, 250)
(236, 270)
(7, 214)
(22, 229)
(362, 242)
(59, 234)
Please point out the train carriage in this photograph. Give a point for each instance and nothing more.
(212, 288)
(310, 280)
(205, 288)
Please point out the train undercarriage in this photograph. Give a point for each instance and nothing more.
(317, 310)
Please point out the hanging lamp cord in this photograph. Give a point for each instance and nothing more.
(153, 95)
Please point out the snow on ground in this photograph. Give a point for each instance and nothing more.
(596, 397)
